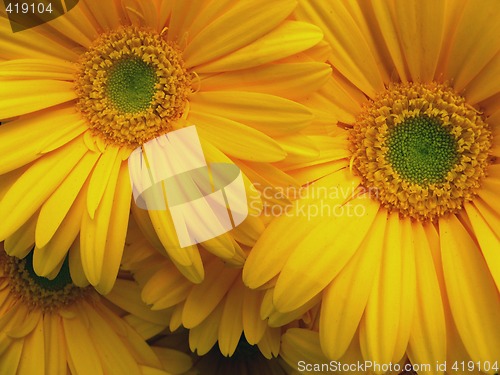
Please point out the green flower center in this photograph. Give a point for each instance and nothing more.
(36, 291)
(421, 150)
(60, 282)
(131, 85)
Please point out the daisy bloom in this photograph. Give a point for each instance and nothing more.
(400, 237)
(81, 92)
(54, 327)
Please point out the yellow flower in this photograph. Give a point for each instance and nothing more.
(400, 237)
(54, 327)
(81, 92)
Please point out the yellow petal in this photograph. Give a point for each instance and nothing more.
(31, 43)
(204, 336)
(181, 25)
(10, 357)
(475, 43)
(231, 324)
(34, 343)
(334, 242)
(351, 287)
(473, 296)
(428, 333)
(286, 40)
(269, 114)
(48, 257)
(75, 266)
(112, 351)
(21, 201)
(37, 69)
(166, 288)
(236, 139)
(299, 344)
(55, 358)
(408, 284)
(379, 326)
(55, 208)
(236, 28)
(284, 233)
(34, 132)
(99, 179)
(94, 231)
(204, 297)
(253, 326)
(489, 241)
(26, 96)
(174, 361)
(353, 56)
(420, 27)
(108, 17)
(483, 85)
(21, 242)
(117, 231)
(290, 81)
(127, 295)
(81, 350)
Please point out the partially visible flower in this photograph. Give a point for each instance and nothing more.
(54, 327)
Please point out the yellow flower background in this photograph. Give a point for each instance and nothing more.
(368, 137)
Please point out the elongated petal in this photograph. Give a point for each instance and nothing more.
(270, 114)
(291, 81)
(21, 201)
(351, 287)
(334, 242)
(380, 324)
(26, 96)
(37, 69)
(353, 56)
(55, 209)
(475, 43)
(287, 39)
(428, 333)
(236, 139)
(204, 297)
(473, 296)
(35, 132)
(236, 28)
(231, 325)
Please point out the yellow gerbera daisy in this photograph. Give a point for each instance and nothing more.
(54, 327)
(86, 89)
(401, 238)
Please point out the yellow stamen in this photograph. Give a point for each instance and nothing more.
(132, 84)
(39, 292)
(421, 148)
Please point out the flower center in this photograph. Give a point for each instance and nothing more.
(421, 149)
(36, 291)
(131, 86)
